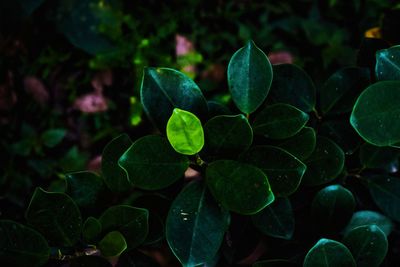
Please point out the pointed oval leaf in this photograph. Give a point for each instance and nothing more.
(239, 187)
(324, 164)
(21, 245)
(84, 187)
(56, 216)
(196, 225)
(249, 77)
(280, 121)
(385, 191)
(184, 132)
(131, 222)
(227, 135)
(91, 229)
(329, 253)
(341, 90)
(376, 114)
(112, 245)
(388, 64)
(151, 163)
(114, 176)
(293, 86)
(369, 217)
(276, 220)
(368, 244)
(164, 89)
(332, 207)
(375, 157)
(284, 171)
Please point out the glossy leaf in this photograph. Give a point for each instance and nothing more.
(239, 187)
(151, 163)
(341, 90)
(276, 220)
(249, 77)
(196, 225)
(283, 170)
(184, 132)
(53, 137)
(91, 229)
(112, 245)
(388, 64)
(21, 245)
(280, 121)
(114, 176)
(329, 253)
(376, 112)
(374, 157)
(84, 187)
(332, 207)
(227, 135)
(293, 86)
(324, 164)
(164, 89)
(300, 145)
(369, 217)
(216, 109)
(368, 244)
(385, 191)
(90, 261)
(131, 222)
(56, 216)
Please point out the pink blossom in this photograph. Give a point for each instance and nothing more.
(36, 89)
(280, 57)
(91, 103)
(183, 45)
(94, 164)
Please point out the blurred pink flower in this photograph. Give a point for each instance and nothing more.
(94, 164)
(101, 79)
(280, 57)
(91, 103)
(183, 46)
(36, 89)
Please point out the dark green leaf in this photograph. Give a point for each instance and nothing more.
(249, 77)
(324, 164)
(374, 157)
(53, 137)
(276, 220)
(368, 244)
(376, 114)
(385, 190)
(21, 245)
(341, 90)
(293, 86)
(332, 207)
(90, 261)
(329, 253)
(131, 222)
(227, 135)
(195, 225)
(388, 64)
(301, 145)
(184, 132)
(216, 109)
(114, 176)
(112, 245)
(280, 121)
(284, 171)
(152, 163)
(56, 216)
(368, 217)
(91, 229)
(164, 89)
(84, 187)
(239, 187)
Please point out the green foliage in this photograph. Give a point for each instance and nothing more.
(368, 217)
(112, 245)
(388, 64)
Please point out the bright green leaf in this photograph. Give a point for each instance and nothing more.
(184, 132)
(369, 217)
(112, 245)
(84, 187)
(388, 64)
(249, 77)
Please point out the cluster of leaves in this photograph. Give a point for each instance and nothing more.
(284, 161)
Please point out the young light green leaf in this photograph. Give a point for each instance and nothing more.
(369, 217)
(376, 114)
(249, 77)
(151, 163)
(84, 187)
(239, 187)
(276, 220)
(329, 253)
(196, 225)
(368, 244)
(184, 132)
(284, 171)
(164, 89)
(388, 64)
(280, 121)
(21, 245)
(55, 216)
(112, 245)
